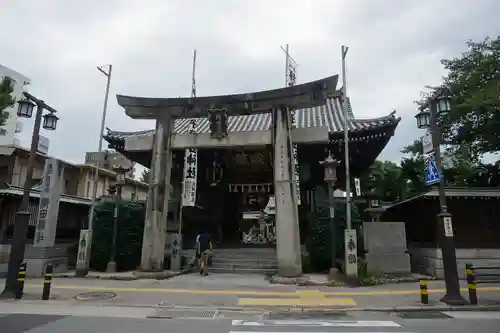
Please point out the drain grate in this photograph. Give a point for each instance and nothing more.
(422, 315)
(95, 296)
(181, 314)
(318, 315)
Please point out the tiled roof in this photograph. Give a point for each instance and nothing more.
(329, 115)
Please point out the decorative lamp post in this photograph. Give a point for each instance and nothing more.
(25, 110)
(330, 165)
(435, 106)
(121, 166)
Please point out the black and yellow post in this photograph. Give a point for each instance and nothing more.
(471, 283)
(424, 292)
(47, 281)
(21, 275)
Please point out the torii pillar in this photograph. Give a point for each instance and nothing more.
(289, 255)
(155, 224)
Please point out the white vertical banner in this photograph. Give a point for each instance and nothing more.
(357, 186)
(296, 169)
(351, 252)
(290, 78)
(190, 172)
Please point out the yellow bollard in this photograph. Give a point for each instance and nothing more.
(424, 292)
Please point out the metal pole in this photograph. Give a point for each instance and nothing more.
(82, 271)
(333, 232)
(101, 136)
(287, 63)
(22, 218)
(453, 295)
(111, 267)
(346, 140)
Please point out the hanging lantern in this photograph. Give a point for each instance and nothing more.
(50, 121)
(423, 119)
(443, 105)
(25, 108)
(330, 166)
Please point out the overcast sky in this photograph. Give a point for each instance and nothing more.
(395, 47)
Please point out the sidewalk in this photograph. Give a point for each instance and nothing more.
(243, 292)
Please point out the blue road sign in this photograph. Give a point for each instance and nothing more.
(432, 174)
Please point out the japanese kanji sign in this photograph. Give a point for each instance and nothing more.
(190, 172)
(48, 209)
(351, 252)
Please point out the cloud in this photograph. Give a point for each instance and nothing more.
(395, 49)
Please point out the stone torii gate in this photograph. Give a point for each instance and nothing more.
(279, 102)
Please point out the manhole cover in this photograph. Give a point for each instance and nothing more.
(178, 314)
(422, 315)
(95, 296)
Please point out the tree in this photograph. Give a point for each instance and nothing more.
(6, 99)
(384, 179)
(145, 176)
(474, 78)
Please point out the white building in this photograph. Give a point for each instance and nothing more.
(12, 125)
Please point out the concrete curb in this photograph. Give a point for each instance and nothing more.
(485, 307)
(267, 310)
(139, 276)
(440, 308)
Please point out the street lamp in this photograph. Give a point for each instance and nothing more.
(21, 223)
(438, 104)
(121, 168)
(330, 165)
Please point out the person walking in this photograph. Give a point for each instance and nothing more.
(203, 247)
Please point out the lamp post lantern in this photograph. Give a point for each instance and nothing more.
(50, 121)
(25, 108)
(12, 287)
(330, 164)
(438, 105)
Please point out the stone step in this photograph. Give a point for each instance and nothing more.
(243, 261)
(230, 267)
(242, 270)
(246, 261)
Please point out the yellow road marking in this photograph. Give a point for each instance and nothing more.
(308, 298)
(248, 292)
(310, 302)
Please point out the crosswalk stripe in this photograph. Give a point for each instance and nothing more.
(315, 332)
(316, 323)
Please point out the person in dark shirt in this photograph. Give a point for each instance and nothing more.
(204, 246)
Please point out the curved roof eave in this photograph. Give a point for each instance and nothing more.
(329, 115)
(303, 95)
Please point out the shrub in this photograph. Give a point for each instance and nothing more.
(129, 235)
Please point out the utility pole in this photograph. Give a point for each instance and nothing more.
(84, 248)
(351, 259)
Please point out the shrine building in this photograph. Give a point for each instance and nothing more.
(228, 163)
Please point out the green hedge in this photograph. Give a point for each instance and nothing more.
(319, 235)
(129, 235)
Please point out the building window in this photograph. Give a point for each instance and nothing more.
(88, 189)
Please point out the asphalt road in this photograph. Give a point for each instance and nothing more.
(361, 322)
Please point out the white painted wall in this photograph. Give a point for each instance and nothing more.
(8, 131)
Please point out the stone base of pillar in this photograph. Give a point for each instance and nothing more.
(39, 258)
